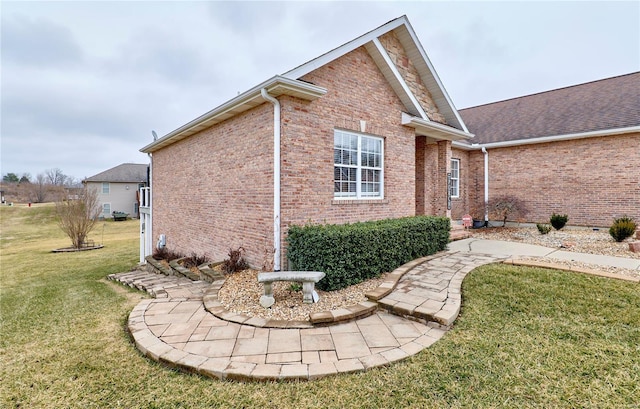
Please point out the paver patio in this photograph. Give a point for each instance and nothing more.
(174, 328)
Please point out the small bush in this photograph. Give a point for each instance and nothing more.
(543, 228)
(235, 262)
(352, 253)
(558, 220)
(194, 260)
(622, 228)
(165, 254)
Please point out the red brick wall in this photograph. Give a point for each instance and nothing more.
(460, 206)
(214, 190)
(357, 91)
(410, 74)
(593, 180)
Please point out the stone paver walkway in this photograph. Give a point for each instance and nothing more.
(175, 329)
(431, 290)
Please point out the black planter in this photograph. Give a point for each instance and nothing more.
(478, 224)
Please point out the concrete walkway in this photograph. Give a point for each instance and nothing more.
(176, 330)
(513, 249)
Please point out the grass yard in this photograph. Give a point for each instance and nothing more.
(526, 338)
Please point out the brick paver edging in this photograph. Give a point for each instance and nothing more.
(349, 313)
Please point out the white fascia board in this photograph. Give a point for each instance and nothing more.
(326, 58)
(277, 82)
(553, 138)
(399, 80)
(434, 129)
(433, 72)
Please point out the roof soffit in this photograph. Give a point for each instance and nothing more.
(435, 130)
(276, 86)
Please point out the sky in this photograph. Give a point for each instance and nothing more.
(84, 83)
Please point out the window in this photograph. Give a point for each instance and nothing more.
(106, 209)
(105, 187)
(455, 178)
(357, 171)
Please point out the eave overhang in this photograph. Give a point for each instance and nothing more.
(435, 130)
(548, 139)
(275, 86)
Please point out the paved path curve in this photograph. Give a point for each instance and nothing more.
(175, 329)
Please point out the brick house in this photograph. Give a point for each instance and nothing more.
(366, 131)
(362, 132)
(573, 150)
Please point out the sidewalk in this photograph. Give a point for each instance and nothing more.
(176, 330)
(513, 249)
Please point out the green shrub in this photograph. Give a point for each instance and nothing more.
(558, 220)
(352, 253)
(622, 228)
(543, 228)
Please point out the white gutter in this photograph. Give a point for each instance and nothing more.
(486, 186)
(547, 139)
(434, 129)
(277, 85)
(276, 177)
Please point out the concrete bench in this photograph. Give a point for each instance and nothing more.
(307, 278)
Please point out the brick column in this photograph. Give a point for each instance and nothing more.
(421, 199)
(443, 167)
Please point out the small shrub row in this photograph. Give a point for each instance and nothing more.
(622, 228)
(352, 253)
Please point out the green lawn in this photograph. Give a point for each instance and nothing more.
(526, 338)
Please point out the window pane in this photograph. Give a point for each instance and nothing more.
(357, 165)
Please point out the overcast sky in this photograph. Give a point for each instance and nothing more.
(84, 83)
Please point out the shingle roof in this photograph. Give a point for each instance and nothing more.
(599, 105)
(126, 172)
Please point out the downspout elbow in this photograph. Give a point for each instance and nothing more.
(276, 179)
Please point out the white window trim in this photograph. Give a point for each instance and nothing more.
(359, 167)
(108, 186)
(457, 180)
(105, 204)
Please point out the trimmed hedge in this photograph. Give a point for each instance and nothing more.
(352, 253)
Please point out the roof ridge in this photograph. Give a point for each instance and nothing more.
(551, 90)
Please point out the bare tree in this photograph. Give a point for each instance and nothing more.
(56, 177)
(507, 206)
(39, 189)
(78, 217)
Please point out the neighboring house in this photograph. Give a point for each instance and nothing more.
(366, 131)
(118, 188)
(573, 150)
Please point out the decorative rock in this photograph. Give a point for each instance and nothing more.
(634, 246)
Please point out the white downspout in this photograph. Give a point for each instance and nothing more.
(276, 178)
(486, 186)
